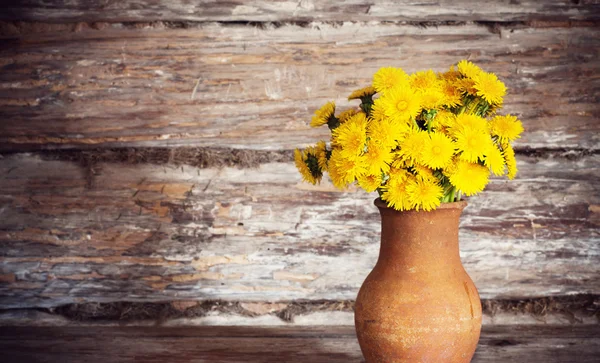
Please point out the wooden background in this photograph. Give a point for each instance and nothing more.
(145, 151)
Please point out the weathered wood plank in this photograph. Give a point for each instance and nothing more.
(304, 10)
(247, 87)
(550, 344)
(150, 233)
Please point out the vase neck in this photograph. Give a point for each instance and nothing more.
(416, 238)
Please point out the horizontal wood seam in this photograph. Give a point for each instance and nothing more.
(568, 305)
(207, 157)
(8, 27)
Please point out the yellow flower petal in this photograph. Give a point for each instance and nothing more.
(401, 104)
(346, 169)
(468, 69)
(351, 136)
(437, 151)
(470, 178)
(490, 88)
(307, 164)
(363, 92)
(507, 128)
(389, 77)
(412, 146)
(395, 194)
(346, 115)
(510, 160)
(378, 158)
(472, 144)
(494, 160)
(369, 182)
(386, 132)
(423, 194)
(323, 114)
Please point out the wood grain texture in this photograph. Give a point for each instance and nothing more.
(156, 233)
(550, 344)
(252, 87)
(304, 10)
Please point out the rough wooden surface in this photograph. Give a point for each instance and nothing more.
(255, 87)
(551, 344)
(282, 10)
(247, 75)
(149, 232)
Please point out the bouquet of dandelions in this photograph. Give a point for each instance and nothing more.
(418, 140)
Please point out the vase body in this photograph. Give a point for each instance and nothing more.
(418, 304)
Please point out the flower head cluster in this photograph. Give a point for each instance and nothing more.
(417, 139)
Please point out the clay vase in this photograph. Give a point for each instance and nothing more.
(418, 304)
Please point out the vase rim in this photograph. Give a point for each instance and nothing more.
(454, 205)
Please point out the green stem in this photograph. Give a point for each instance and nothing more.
(449, 195)
(366, 106)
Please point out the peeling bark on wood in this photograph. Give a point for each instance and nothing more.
(250, 344)
(304, 10)
(252, 87)
(192, 156)
(154, 233)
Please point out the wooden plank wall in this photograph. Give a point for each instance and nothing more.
(146, 150)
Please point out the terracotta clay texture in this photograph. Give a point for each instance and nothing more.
(418, 304)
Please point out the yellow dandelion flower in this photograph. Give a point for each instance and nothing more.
(469, 69)
(423, 173)
(490, 88)
(452, 94)
(395, 194)
(437, 151)
(369, 182)
(466, 85)
(307, 165)
(443, 121)
(386, 132)
(432, 98)
(507, 128)
(472, 144)
(401, 104)
(451, 167)
(427, 84)
(351, 136)
(424, 80)
(411, 148)
(397, 175)
(346, 115)
(451, 75)
(302, 167)
(377, 110)
(399, 162)
(321, 154)
(350, 169)
(323, 115)
(389, 77)
(363, 92)
(424, 194)
(510, 160)
(334, 172)
(378, 158)
(471, 122)
(470, 178)
(494, 160)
